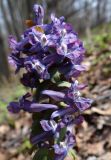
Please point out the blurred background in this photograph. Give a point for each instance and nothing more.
(91, 19)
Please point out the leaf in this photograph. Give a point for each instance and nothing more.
(72, 154)
(64, 84)
(26, 145)
(43, 154)
(55, 77)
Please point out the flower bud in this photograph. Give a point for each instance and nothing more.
(39, 14)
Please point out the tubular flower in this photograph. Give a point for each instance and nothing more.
(50, 56)
(62, 149)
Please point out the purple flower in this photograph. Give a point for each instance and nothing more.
(12, 63)
(62, 149)
(12, 43)
(39, 14)
(49, 49)
(36, 65)
(23, 45)
(71, 70)
(62, 112)
(54, 94)
(28, 105)
(15, 107)
(16, 61)
(69, 116)
(71, 96)
(50, 130)
(60, 152)
(37, 107)
(29, 80)
(72, 119)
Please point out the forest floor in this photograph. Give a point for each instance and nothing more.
(93, 135)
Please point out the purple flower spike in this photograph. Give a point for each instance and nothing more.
(51, 56)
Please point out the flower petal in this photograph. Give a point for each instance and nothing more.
(54, 94)
(60, 152)
(45, 125)
(70, 140)
(63, 112)
(83, 103)
(79, 67)
(39, 14)
(41, 137)
(14, 107)
(36, 107)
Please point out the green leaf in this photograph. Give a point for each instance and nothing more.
(43, 154)
(25, 145)
(63, 104)
(64, 84)
(72, 154)
(56, 77)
